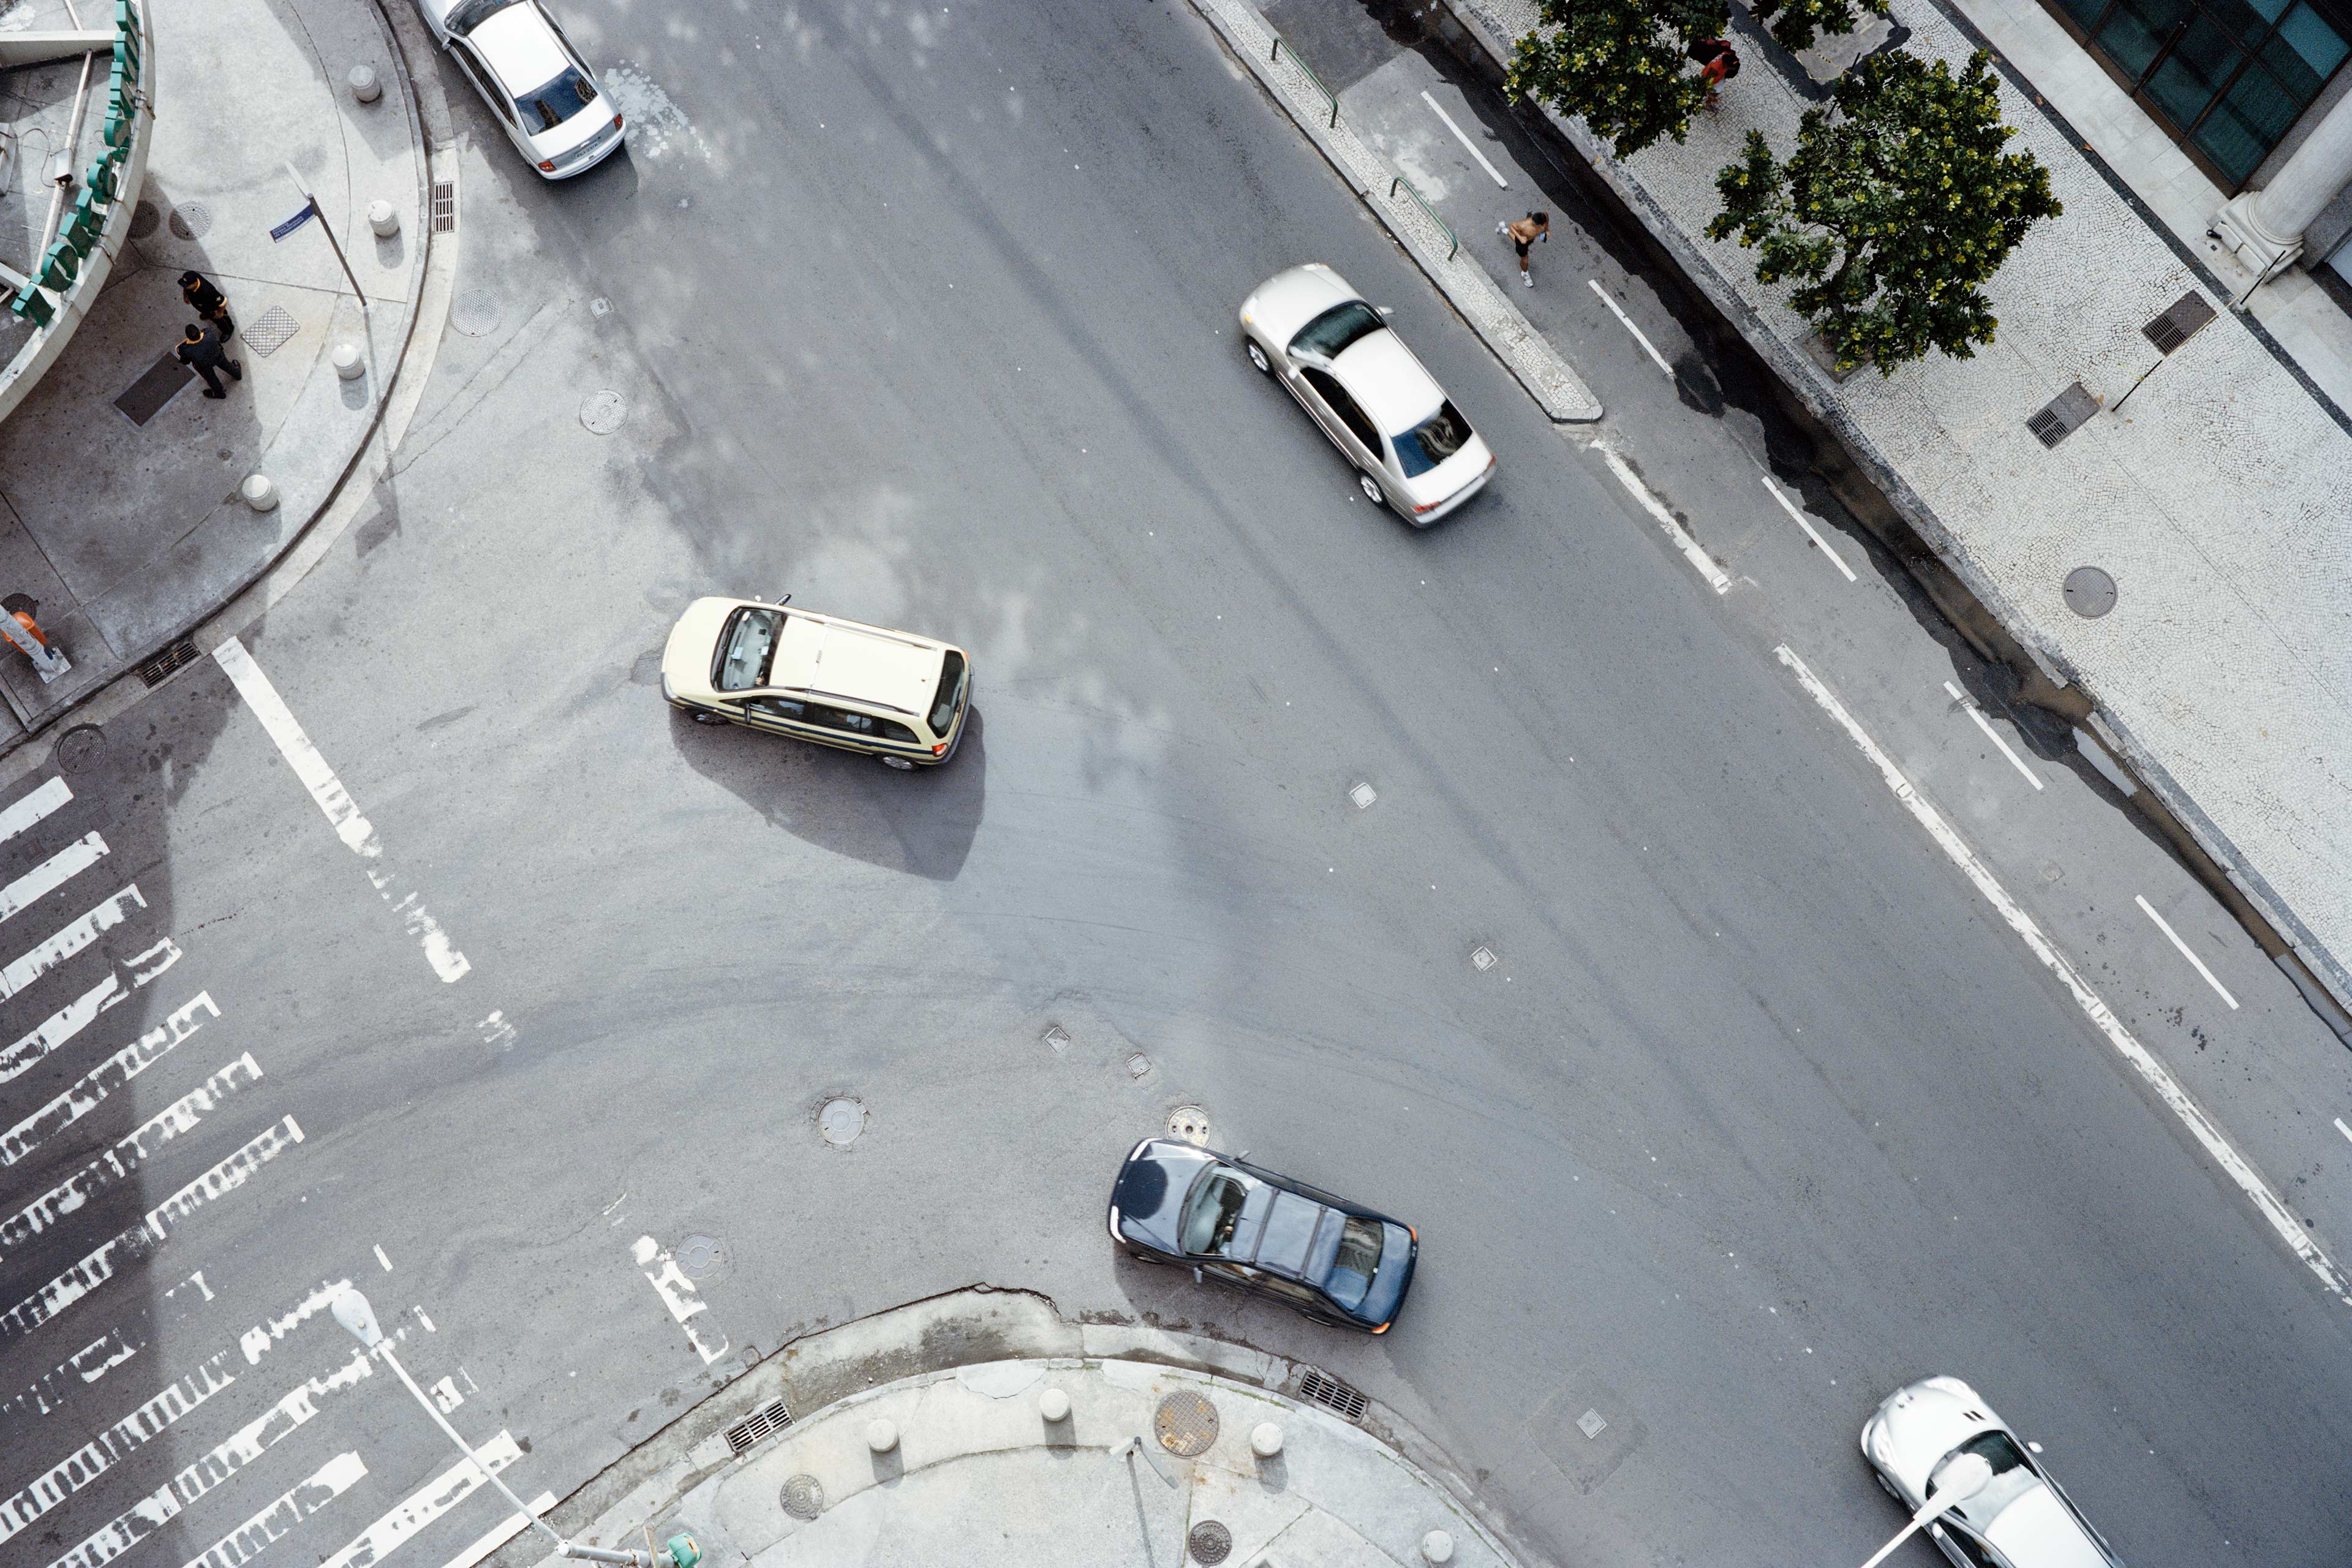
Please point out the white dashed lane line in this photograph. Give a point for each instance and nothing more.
(1812, 533)
(1492, 172)
(2165, 927)
(1717, 577)
(1627, 322)
(1967, 705)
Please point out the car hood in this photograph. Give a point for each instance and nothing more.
(686, 659)
(1286, 301)
(1918, 1425)
(1150, 1193)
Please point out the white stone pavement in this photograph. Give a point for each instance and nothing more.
(2220, 498)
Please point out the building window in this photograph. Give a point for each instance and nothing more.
(2227, 78)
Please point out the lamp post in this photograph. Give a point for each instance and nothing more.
(1963, 1479)
(351, 1310)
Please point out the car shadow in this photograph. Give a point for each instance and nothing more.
(921, 823)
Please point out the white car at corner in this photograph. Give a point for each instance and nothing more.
(2020, 1519)
(534, 82)
(1412, 451)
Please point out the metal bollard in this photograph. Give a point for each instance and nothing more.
(363, 84)
(384, 218)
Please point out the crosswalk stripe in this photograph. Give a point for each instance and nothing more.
(95, 1457)
(51, 874)
(325, 1484)
(103, 1079)
(59, 1027)
(23, 813)
(72, 939)
(499, 1534)
(50, 1391)
(426, 1504)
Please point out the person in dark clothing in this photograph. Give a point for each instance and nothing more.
(1717, 64)
(204, 298)
(201, 351)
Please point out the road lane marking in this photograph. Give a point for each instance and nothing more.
(262, 1335)
(677, 1294)
(48, 1393)
(249, 1442)
(1812, 533)
(109, 912)
(427, 1503)
(101, 1453)
(2186, 951)
(1492, 172)
(52, 873)
(2341, 1128)
(2168, 1089)
(22, 813)
(71, 1019)
(514, 1525)
(1717, 578)
(379, 1258)
(1639, 336)
(342, 813)
(77, 1100)
(323, 1485)
(1970, 706)
(119, 1161)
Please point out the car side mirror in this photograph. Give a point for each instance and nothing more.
(783, 601)
(1198, 1278)
(1386, 310)
(2034, 1448)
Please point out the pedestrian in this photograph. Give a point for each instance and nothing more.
(1523, 233)
(208, 302)
(1718, 62)
(201, 351)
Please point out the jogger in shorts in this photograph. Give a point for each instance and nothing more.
(1523, 233)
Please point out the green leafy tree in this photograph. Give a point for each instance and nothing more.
(1622, 66)
(1897, 205)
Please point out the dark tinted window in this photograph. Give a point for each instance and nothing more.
(791, 707)
(951, 674)
(842, 719)
(1335, 328)
(1353, 417)
(468, 18)
(892, 730)
(1432, 441)
(1358, 1260)
(746, 644)
(551, 103)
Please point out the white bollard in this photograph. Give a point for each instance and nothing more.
(1437, 1546)
(1053, 1406)
(384, 218)
(348, 363)
(364, 85)
(259, 492)
(1265, 1439)
(881, 1436)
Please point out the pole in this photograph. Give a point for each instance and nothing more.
(337, 247)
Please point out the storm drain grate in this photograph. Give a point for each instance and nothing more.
(160, 668)
(1322, 1388)
(758, 1427)
(2066, 414)
(2179, 323)
(445, 205)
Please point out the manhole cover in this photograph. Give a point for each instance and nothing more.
(478, 312)
(1364, 795)
(1058, 1037)
(143, 219)
(1211, 1543)
(603, 412)
(1482, 958)
(700, 1257)
(192, 220)
(1138, 1064)
(1591, 1423)
(270, 330)
(840, 1121)
(2090, 592)
(803, 1498)
(1191, 1123)
(80, 748)
(1185, 1424)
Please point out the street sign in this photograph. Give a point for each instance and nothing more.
(309, 210)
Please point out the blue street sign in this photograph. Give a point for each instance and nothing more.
(309, 210)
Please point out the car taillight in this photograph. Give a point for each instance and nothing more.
(939, 750)
(547, 165)
(1384, 1327)
(616, 122)
(1433, 506)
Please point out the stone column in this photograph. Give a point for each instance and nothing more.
(2264, 228)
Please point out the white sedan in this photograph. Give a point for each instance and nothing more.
(515, 54)
(1411, 448)
(2018, 1519)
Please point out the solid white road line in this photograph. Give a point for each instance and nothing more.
(1810, 532)
(325, 1484)
(2341, 1128)
(2200, 1126)
(23, 814)
(1717, 578)
(1492, 172)
(77, 1101)
(677, 1294)
(1639, 336)
(2165, 927)
(95, 1457)
(1967, 702)
(52, 873)
(426, 1504)
(72, 939)
(514, 1525)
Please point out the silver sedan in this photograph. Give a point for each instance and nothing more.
(2019, 1519)
(1411, 448)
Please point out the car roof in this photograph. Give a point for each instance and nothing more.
(2037, 1530)
(519, 46)
(1382, 375)
(865, 664)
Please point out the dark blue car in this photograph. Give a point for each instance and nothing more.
(1229, 1221)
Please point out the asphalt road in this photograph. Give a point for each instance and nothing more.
(925, 315)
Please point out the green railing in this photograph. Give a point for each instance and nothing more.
(1327, 96)
(55, 270)
(1424, 206)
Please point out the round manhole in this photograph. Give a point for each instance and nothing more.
(477, 312)
(1211, 1543)
(840, 1121)
(143, 219)
(1191, 1123)
(803, 1498)
(603, 412)
(701, 1257)
(80, 748)
(192, 220)
(2090, 592)
(1185, 1424)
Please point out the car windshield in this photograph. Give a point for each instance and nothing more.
(2012, 1477)
(1359, 1259)
(951, 674)
(745, 648)
(474, 13)
(1213, 1212)
(1432, 441)
(1335, 328)
(550, 104)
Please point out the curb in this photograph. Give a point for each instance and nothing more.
(1525, 352)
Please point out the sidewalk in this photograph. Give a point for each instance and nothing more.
(128, 534)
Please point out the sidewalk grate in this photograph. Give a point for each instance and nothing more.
(757, 1428)
(1185, 1422)
(445, 205)
(2179, 322)
(270, 330)
(164, 665)
(2062, 416)
(1322, 1388)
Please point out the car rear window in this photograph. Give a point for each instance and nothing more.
(1358, 1259)
(746, 644)
(1336, 328)
(951, 673)
(551, 104)
(1432, 441)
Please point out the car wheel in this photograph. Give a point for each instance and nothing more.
(1371, 489)
(1258, 356)
(1886, 1486)
(901, 763)
(701, 717)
